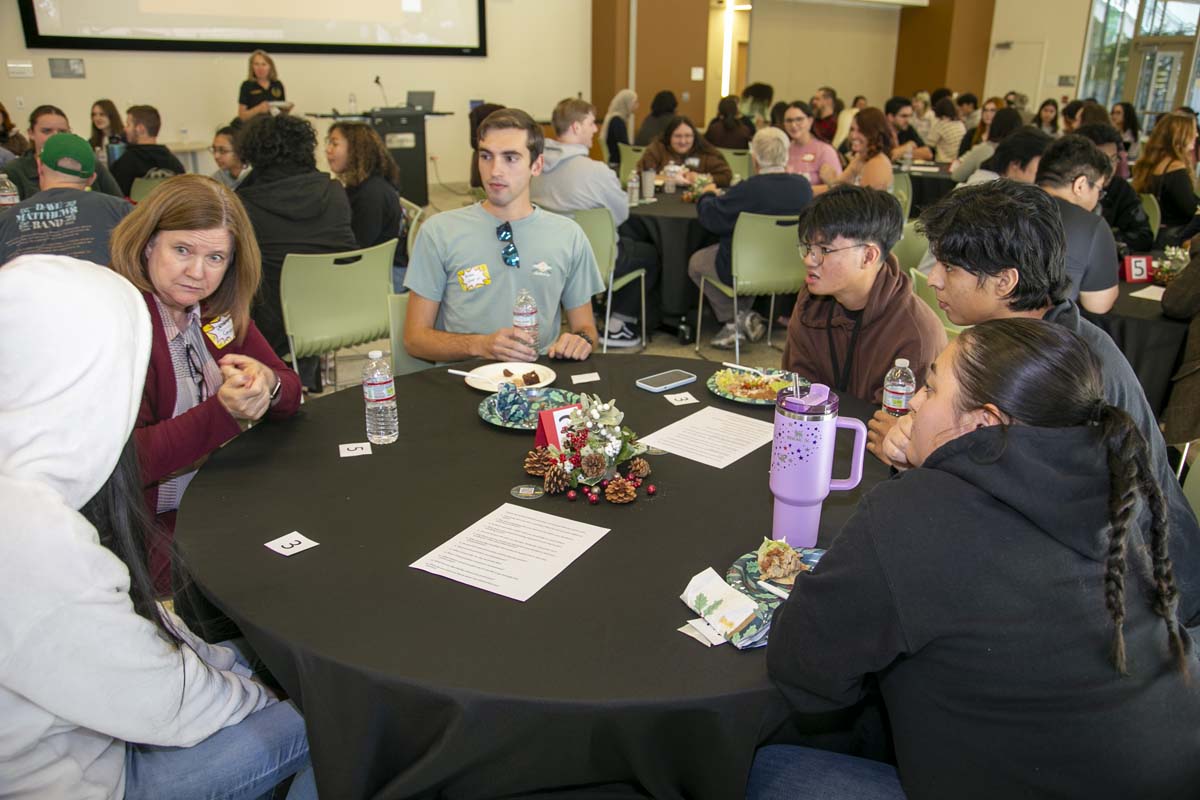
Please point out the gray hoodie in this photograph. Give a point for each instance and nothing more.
(570, 181)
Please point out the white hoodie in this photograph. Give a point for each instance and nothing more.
(570, 181)
(80, 672)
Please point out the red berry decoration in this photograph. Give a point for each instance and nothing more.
(594, 499)
(604, 483)
(652, 490)
(572, 495)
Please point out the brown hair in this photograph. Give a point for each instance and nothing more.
(193, 203)
(368, 156)
(514, 119)
(146, 116)
(271, 76)
(568, 112)
(981, 129)
(115, 126)
(873, 125)
(1168, 142)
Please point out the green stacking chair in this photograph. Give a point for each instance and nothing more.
(1191, 486)
(766, 260)
(598, 226)
(335, 300)
(1153, 211)
(911, 248)
(922, 290)
(413, 214)
(630, 155)
(142, 187)
(902, 191)
(739, 161)
(402, 362)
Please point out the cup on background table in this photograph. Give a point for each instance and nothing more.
(648, 184)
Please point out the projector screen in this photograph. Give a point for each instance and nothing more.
(412, 27)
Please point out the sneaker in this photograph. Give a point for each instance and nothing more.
(621, 334)
(753, 324)
(725, 338)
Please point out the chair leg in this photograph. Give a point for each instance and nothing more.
(699, 313)
(737, 340)
(608, 308)
(645, 333)
(770, 321)
(1182, 460)
(295, 364)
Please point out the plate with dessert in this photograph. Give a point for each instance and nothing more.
(520, 374)
(775, 563)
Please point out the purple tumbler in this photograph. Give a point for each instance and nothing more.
(802, 460)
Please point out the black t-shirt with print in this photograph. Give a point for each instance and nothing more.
(251, 93)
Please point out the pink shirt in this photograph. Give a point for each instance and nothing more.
(807, 159)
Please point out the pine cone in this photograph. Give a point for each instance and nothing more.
(593, 465)
(639, 468)
(620, 491)
(556, 481)
(538, 461)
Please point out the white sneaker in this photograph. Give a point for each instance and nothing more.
(753, 324)
(620, 334)
(725, 338)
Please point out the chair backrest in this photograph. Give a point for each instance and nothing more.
(1191, 487)
(142, 187)
(1153, 211)
(843, 126)
(739, 161)
(601, 232)
(911, 248)
(766, 255)
(412, 214)
(402, 362)
(630, 155)
(902, 191)
(333, 300)
(922, 290)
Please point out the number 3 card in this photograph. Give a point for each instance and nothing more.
(291, 544)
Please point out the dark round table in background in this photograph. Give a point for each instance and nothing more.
(929, 187)
(414, 685)
(676, 232)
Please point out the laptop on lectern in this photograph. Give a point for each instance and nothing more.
(420, 101)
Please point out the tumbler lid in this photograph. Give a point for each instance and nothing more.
(818, 401)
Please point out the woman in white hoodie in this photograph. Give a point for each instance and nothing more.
(102, 693)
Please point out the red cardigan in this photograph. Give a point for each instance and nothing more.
(167, 445)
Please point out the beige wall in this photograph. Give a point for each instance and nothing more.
(798, 46)
(197, 92)
(716, 44)
(1048, 40)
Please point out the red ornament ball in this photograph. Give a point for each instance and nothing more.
(604, 483)
(572, 495)
(652, 490)
(594, 499)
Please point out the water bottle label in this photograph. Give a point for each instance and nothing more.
(525, 320)
(896, 399)
(379, 391)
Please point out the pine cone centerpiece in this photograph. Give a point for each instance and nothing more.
(538, 462)
(592, 465)
(620, 491)
(639, 468)
(556, 480)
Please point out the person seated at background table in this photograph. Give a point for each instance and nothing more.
(12, 143)
(357, 157)
(947, 133)
(859, 102)
(755, 105)
(144, 157)
(261, 88)
(1070, 116)
(1164, 170)
(1092, 113)
(682, 144)
(64, 218)
(729, 129)
(857, 312)
(1047, 117)
(1021, 615)
(662, 111)
(1181, 300)
(923, 116)
(295, 209)
(1120, 205)
(1001, 253)
(899, 112)
(571, 181)
(44, 122)
(969, 111)
(977, 130)
(777, 112)
(1003, 122)
(1074, 173)
(469, 265)
(825, 113)
(107, 128)
(1125, 119)
(871, 143)
(771, 191)
(807, 155)
(1016, 158)
(618, 124)
(230, 170)
(189, 248)
(104, 693)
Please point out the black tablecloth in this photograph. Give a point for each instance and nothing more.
(672, 226)
(417, 686)
(929, 187)
(1152, 342)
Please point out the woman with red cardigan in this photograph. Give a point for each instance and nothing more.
(191, 249)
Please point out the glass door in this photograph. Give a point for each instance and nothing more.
(1162, 82)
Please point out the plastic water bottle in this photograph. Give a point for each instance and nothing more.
(899, 386)
(379, 392)
(353, 103)
(525, 317)
(906, 159)
(8, 192)
(633, 188)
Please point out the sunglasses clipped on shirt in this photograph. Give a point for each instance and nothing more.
(509, 252)
(196, 367)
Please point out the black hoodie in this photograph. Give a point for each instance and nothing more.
(293, 211)
(973, 587)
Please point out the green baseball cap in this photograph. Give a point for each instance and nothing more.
(73, 150)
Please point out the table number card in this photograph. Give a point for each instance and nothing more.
(585, 377)
(354, 449)
(681, 399)
(550, 423)
(292, 543)
(1138, 269)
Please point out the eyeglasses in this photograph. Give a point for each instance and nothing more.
(509, 252)
(220, 151)
(820, 251)
(196, 367)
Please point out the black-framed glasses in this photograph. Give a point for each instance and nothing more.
(509, 252)
(196, 367)
(820, 251)
(223, 151)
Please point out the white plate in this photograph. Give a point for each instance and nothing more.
(489, 377)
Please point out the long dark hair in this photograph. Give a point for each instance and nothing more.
(116, 127)
(1129, 119)
(727, 113)
(1041, 374)
(368, 155)
(118, 512)
(699, 143)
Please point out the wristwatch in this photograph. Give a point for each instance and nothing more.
(278, 386)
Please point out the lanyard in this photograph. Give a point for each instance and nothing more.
(844, 374)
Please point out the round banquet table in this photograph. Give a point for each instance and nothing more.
(414, 685)
(675, 230)
(929, 187)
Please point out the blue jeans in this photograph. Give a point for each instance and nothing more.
(241, 762)
(788, 772)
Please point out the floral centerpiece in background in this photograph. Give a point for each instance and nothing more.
(1167, 268)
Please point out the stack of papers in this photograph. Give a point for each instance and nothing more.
(712, 436)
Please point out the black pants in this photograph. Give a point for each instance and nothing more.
(633, 255)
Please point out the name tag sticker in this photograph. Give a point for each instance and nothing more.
(354, 449)
(472, 278)
(291, 544)
(219, 331)
(808, 157)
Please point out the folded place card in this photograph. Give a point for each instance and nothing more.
(724, 608)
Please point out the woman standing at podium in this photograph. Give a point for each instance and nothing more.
(261, 88)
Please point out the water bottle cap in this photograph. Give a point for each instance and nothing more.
(375, 354)
(901, 362)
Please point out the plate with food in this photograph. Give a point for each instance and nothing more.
(775, 563)
(752, 388)
(518, 409)
(521, 374)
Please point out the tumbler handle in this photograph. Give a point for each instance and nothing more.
(856, 462)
